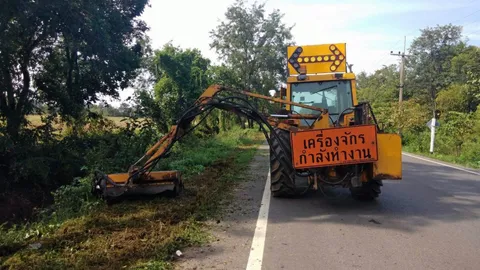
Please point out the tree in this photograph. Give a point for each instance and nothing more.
(65, 53)
(147, 106)
(468, 60)
(379, 87)
(454, 98)
(224, 75)
(473, 90)
(181, 77)
(125, 110)
(432, 54)
(253, 45)
(457, 123)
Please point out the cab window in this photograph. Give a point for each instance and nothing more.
(335, 96)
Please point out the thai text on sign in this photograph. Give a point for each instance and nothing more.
(334, 146)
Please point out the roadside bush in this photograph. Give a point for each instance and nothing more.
(70, 201)
(35, 162)
(116, 150)
(186, 157)
(417, 142)
(45, 159)
(80, 231)
(456, 139)
(471, 154)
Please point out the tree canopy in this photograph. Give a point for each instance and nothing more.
(180, 76)
(431, 63)
(443, 74)
(66, 53)
(253, 44)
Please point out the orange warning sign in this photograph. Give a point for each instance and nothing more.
(334, 146)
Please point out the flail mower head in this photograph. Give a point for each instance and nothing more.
(113, 187)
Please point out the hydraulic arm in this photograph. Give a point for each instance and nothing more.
(338, 143)
(142, 180)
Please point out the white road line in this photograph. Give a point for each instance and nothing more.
(443, 164)
(255, 258)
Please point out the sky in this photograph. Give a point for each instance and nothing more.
(370, 28)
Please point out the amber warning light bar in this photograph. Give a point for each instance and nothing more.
(313, 59)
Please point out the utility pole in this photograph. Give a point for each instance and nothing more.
(402, 77)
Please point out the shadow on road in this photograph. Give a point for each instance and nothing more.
(426, 194)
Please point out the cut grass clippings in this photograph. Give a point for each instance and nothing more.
(135, 234)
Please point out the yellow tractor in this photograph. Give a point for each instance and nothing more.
(321, 133)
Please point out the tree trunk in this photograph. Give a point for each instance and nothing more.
(240, 121)
(14, 122)
(13, 126)
(250, 123)
(222, 121)
(7, 176)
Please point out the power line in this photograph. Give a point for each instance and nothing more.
(472, 22)
(466, 16)
(382, 61)
(402, 74)
(478, 31)
(474, 31)
(385, 57)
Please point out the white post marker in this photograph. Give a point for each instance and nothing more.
(255, 258)
(432, 134)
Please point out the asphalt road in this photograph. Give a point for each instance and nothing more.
(428, 220)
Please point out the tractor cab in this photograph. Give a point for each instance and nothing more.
(318, 77)
(335, 96)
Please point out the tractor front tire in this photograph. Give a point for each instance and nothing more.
(368, 191)
(282, 173)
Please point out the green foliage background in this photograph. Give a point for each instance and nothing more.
(442, 73)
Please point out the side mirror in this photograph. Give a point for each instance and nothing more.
(283, 92)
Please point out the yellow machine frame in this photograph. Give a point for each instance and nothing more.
(319, 58)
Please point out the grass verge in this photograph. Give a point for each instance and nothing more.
(36, 120)
(442, 157)
(81, 232)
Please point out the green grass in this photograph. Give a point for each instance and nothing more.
(80, 232)
(36, 120)
(443, 157)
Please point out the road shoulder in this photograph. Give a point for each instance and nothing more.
(234, 230)
(442, 163)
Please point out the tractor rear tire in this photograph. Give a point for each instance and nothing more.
(368, 191)
(282, 173)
